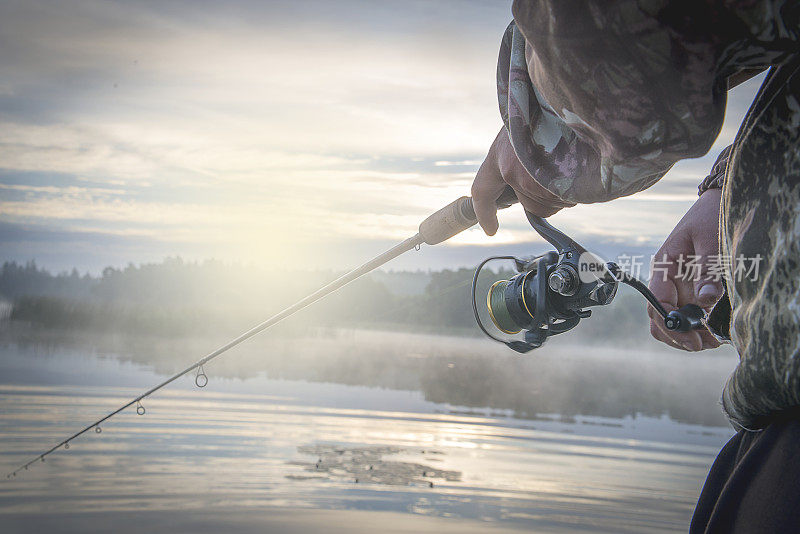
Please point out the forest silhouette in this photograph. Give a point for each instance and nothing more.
(180, 297)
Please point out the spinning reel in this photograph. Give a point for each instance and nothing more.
(551, 293)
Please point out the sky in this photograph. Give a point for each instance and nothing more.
(283, 133)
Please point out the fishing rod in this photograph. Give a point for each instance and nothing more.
(445, 223)
(548, 296)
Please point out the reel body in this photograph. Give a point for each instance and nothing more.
(550, 294)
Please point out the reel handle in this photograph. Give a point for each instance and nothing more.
(689, 317)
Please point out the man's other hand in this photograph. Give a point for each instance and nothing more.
(502, 167)
(696, 237)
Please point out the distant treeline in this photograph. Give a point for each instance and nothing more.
(180, 297)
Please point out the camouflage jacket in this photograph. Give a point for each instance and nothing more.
(601, 98)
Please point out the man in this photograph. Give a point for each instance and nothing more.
(599, 99)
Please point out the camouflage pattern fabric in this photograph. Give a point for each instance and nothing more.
(761, 217)
(716, 178)
(601, 98)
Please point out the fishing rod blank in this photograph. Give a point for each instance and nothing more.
(437, 228)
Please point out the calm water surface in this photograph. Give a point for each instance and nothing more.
(287, 455)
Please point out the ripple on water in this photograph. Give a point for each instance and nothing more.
(369, 465)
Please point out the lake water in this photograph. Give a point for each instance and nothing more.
(355, 442)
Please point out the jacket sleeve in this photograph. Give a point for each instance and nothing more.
(716, 177)
(601, 98)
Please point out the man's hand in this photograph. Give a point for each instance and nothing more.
(697, 236)
(502, 167)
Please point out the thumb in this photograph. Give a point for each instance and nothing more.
(708, 287)
(704, 231)
(708, 292)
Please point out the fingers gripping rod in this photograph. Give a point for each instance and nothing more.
(454, 218)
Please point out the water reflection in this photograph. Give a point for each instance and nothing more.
(463, 372)
(239, 448)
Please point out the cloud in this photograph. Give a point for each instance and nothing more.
(264, 130)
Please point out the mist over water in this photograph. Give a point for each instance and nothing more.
(299, 429)
(137, 130)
